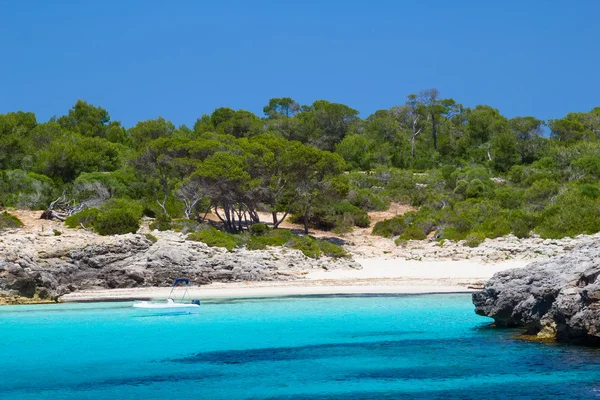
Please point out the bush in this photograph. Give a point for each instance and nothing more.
(540, 193)
(275, 237)
(116, 222)
(589, 190)
(521, 224)
(151, 237)
(118, 217)
(162, 223)
(474, 239)
(413, 232)
(332, 250)
(571, 214)
(367, 200)
(307, 245)
(86, 218)
(510, 198)
(216, 238)
(259, 229)
(389, 227)
(9, 221)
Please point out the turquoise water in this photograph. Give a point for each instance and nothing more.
(365, 347)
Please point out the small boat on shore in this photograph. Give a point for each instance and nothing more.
(170, 306)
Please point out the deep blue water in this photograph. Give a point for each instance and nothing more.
(365, 347)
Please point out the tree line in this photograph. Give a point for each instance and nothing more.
(321, 162)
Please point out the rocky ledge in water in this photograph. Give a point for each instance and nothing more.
(558, 298)
(50, 266)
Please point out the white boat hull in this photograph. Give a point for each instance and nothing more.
(169, 307)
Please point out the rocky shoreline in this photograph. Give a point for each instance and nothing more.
(556, 299)
(45, 267)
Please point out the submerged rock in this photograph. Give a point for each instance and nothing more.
(556, 298)
(47, 270)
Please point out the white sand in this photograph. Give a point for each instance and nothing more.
(377, 276)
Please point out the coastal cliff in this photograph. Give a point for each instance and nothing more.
(48, 266)
(558, 298)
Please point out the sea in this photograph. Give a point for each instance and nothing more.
(304, 347)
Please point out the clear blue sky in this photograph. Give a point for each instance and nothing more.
(142, 59)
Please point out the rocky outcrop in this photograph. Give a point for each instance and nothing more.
(558, 298)
(49, 266)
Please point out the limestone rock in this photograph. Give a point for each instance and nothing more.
(558, 297)
(45, 266)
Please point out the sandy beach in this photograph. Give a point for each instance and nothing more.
(378, 276)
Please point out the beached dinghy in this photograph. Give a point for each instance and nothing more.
(170, 306)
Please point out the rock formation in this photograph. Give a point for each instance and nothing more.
(48, 266)
(558, 298)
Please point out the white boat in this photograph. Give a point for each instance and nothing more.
(170, 306)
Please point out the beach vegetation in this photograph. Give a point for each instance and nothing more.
(9, 221)
(465, 170)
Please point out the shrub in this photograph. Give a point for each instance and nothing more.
(151, 237)
(259, 229)
(367, 200)
(56, 232)
(521, 224)
(332, 250)
(86, 218)
(275, 237)
(216, 238)
(540, 193)
(571, 214)
(413, 232)
(389, 227)
(118, 216)
(474, 239)
(475, 188)
(307, 245)
(9, 221)
(116, 221)
(510, 198)
(162, 223)
(589, 190)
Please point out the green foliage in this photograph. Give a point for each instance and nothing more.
(571, 214)
(307, 245)
(275, 237)
(390, 227)
(86, 218)
(259, 229)
(216, 238)
(468, 170)
(118, 217)
(9, 221)
(474, 239)
(332, 250)
(162, 223)
(151, 237)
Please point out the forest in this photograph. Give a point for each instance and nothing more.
(470, 173)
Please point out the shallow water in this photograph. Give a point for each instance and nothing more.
(312, 347)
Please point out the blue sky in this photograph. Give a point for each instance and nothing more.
(180, 59)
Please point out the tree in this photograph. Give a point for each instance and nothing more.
(411, 116)
(283, 107)
(313, 170)
(438, 111)
(73, 154)
(504, 149)
(162, 164)
(225, 179)
(325, 124)
(91, 121)
(528, 132)
(146, 131)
